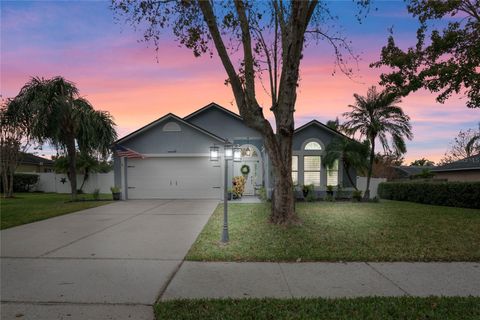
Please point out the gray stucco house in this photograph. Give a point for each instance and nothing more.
(176, 162)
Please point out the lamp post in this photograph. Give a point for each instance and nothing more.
(230, 152)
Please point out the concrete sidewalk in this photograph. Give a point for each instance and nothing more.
(323, 279)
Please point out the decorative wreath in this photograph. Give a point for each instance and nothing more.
(245, 169)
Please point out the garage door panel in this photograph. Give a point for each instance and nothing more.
(173, 178)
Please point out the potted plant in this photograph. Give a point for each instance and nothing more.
(305, 190)
(116, 193)
(229, 194)
(238, 186)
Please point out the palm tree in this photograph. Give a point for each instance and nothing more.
(378, 116)
(351, 153)
(333, 124)
(59, 116)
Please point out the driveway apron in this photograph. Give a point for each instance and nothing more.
(109, 262)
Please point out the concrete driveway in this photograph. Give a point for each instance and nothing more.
(109, 262)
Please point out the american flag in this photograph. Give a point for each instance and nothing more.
(122, 151)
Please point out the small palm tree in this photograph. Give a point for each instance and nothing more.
(350, 153)
(378, 116)
(59, 116)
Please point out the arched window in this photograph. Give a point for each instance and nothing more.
(312, 146)
(171, 127)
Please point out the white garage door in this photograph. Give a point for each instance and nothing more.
(173, 178)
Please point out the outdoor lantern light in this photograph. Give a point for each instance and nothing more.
(214, 153)
(228, 151)
(248, 152)
(237, 153)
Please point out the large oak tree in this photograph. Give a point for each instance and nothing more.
(254, 40)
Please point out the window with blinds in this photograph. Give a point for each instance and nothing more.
(332, 174)
(311, 170)
(295, 170)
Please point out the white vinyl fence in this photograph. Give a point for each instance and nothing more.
(59, 183)
(374, 182)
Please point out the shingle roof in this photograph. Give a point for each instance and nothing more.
(470, 163)
(412, 170)
(28, 158)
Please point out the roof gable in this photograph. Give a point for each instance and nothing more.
(320, 125)
(222, 122)
(210, 106)
(161, 120)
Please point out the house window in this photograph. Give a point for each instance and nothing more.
(332, 174)
(295, 170)
(313, 146)
(311, 165)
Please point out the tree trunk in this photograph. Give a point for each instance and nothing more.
(366, 196)
(86, 175)
(10, 184)
(283, 196)
(72, 164)
(5, 183)
(347, 171)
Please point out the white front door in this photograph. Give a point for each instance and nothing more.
(253, 178)
(173, 178)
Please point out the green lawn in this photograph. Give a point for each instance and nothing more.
(359, 308)
(30, 207)
(344, 231)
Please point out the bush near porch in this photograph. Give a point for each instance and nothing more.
(455, 194)
(344, 231)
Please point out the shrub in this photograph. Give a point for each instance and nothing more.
(311, 195)
(238, 186)
(357, 195)
(454, 194)
(262, 193)
(307, 188)
(329, 198)
(23, 182)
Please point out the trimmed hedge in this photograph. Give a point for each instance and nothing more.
(24, 182)
(453, 194)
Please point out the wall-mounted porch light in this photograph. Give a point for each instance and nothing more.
(237, 154)
(214, 153)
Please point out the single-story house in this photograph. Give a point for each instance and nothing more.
(467, 169)
(169, 158)
(409, 172)
(32, 163)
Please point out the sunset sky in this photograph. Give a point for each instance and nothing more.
(81, 41)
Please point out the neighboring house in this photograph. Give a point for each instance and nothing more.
(32, 163)
(176, 162)
(409, 172)
(467, 169)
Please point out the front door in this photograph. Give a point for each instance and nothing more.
(251, 177)
(251, 158)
